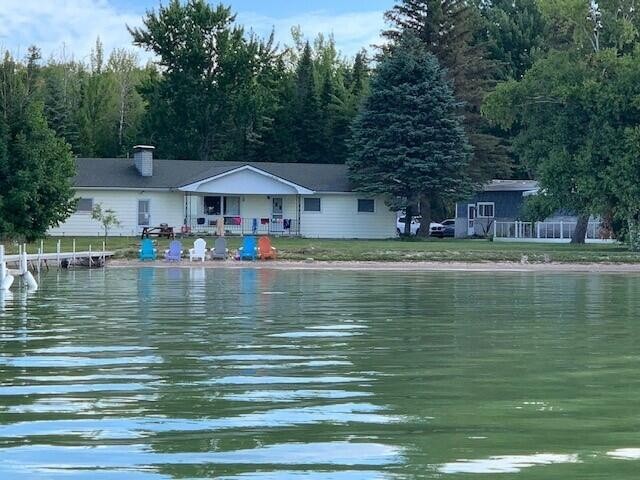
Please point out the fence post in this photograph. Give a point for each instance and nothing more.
(3, 268)
(561, 229)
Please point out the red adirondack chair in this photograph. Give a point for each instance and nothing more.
(265, 250)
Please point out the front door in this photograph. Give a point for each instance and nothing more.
(471, 220)
(277, 208)
(276, 214)
(144, 213)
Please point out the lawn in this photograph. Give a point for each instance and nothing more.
(382, 250)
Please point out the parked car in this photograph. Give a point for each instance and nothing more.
(415, 225)
(446, 228)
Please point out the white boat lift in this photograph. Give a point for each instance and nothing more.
(22, 260)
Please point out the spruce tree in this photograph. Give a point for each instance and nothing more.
(308, 121)
(453, 31)
(407, 141)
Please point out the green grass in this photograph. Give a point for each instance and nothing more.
(383, 250)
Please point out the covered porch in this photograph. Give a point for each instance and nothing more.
(222, 214)
(243, 201)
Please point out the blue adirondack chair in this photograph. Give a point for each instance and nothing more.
(174, 254)
(249, 249)
(147, 252)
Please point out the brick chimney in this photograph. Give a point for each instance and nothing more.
(143, 159)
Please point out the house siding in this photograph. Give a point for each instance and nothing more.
(508, 206)
(339, 218)
(165, 207)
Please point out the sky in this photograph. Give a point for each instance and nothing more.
(69, 28)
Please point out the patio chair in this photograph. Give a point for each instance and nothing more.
(147, 251)
(174, 253)
(265, 249)
(220, 250)
(249, 249)
(199, 250)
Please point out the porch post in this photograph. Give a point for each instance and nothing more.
(561, 229)
(298, 215)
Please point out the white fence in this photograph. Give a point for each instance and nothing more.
(548, 231)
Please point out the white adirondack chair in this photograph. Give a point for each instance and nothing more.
(199, 250)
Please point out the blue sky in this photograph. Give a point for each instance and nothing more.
(70, 27)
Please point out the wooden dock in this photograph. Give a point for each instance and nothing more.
(24, 262)
(74, 258)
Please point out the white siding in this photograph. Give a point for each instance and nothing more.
(339, 218)
(243, 181)
(258, 206)
(166, 207)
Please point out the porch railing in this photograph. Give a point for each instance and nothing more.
(247, 226)
(559, 231)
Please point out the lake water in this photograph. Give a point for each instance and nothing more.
(263, 374)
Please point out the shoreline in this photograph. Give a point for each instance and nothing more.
(392, 266)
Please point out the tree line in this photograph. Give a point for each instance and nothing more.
(459, 92)
(554, 82)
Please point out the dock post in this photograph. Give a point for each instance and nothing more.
(104, 255)
(3, 268)
(26, 274)
(89, 255)
(73, 259)
(24, 266)
(6, 279)
(58, 253)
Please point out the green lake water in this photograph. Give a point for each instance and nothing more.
(264, 374)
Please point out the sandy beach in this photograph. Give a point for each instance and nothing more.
(395, 266)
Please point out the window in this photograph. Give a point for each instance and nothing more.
(232, 206)
(212, 206)
(366, 205)
(85, 205)
(144, 213)
(311, 204)
(486, 210)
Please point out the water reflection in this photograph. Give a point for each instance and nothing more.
(259, 374)
(506, 463)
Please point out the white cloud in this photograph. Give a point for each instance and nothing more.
(352, 31)
(72, 26)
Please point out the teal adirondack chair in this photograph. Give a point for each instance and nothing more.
(147, 252)
(249, 249)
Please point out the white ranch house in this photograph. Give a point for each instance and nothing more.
(297, 199)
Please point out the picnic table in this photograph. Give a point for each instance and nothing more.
(161, 231)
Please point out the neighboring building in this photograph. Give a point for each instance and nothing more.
(298, 199)
(496, 211)
(500, 201)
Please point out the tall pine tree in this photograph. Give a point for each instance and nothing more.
(452, 30)
(408, 143)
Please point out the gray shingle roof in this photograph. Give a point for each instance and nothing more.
(510, 185)
(169, 174)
